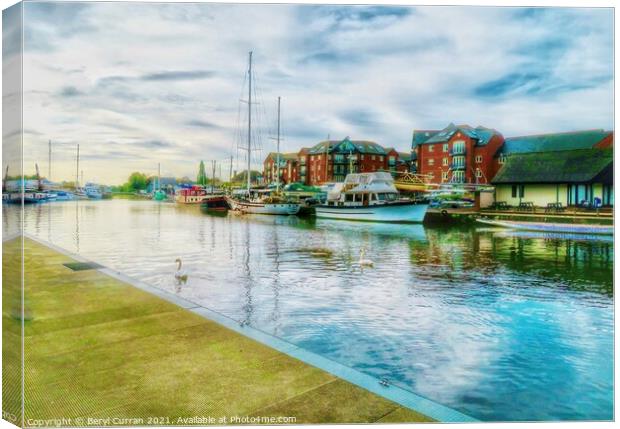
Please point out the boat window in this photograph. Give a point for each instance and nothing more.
(381, 197)
(348, 197)
(391, 196)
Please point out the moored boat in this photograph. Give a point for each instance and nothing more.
(93, 191)
(193, 195)
(370, 197)
(215, 203)
(264, 207)
(253, 202)
(569, 228)
(160, 195)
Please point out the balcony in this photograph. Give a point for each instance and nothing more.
(457, 166)
(458, 151)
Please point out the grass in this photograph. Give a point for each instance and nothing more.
(97, 347)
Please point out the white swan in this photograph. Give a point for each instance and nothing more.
(365, 262)
(180, 275)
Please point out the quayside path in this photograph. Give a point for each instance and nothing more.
(97, 347)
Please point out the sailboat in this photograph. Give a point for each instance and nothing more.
(159, 195)
(272, 204)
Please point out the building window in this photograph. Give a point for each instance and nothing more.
(319, 157)
(479, 159)
(478, 173)
(373, 157)
(430, 147)
(431, 161)
(502, 159)
(362, 157)
(445, 147)
(458, 176)
(445, 162)
(444, 176)
(520, 189)
(458, 147)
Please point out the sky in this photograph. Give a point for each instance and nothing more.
(139, 84)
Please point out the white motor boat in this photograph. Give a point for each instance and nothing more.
(370, 197)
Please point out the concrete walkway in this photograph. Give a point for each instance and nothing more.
(98, 348)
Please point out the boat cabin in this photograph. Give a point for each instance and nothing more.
(364, 189)
(193, 195)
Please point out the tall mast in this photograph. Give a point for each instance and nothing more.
(49, 162)
(213, 165)
(77, 168)
(159, 176)
(278, 152)
(249, 119)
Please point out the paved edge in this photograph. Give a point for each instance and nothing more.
(396, 394)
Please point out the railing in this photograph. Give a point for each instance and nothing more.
(458, 151)
(457, 166)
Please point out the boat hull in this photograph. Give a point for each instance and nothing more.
(217, 203)
(568, 228)
(397, 212)
(264, 208)
(189, 199)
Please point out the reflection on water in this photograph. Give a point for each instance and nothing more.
(497, 325)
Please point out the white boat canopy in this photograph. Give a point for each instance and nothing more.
(379, 181)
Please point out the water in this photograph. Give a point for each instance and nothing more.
(499, 326)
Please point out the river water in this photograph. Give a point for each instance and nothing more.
(498, 325)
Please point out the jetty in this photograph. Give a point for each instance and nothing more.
(98, 347)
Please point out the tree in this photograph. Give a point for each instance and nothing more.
(137, 181)
(242, 177)
(202, 176)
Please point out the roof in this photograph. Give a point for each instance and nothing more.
(283, 156)
(481, 134)
(346, 145)
(553, 142)
(420, 136)
(569, 166)
(404, 156)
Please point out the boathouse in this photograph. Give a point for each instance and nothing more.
(571, 177)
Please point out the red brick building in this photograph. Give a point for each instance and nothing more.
(289, 168)
(462, 154)
(398, 161)
(331, 161)
(456, 154)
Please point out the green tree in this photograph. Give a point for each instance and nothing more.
(242, 177)
(137, 181)
(202, 175)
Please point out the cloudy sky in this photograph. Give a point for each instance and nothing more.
(137, 84)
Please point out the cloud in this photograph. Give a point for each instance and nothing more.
(178, 75)
(70, 91)
(142, 83)
(202, 124)
(154, 144)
